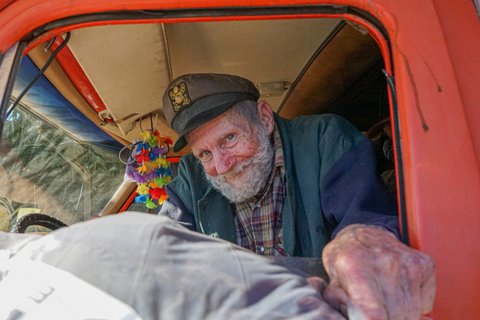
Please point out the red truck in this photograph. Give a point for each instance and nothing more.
(407, 72)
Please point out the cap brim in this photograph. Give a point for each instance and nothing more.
(198, 121)
(179, 144)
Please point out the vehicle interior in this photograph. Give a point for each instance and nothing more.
(84, 96)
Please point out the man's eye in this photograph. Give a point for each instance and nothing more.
(229, 141)
(204, 155)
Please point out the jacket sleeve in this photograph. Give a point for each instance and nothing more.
(180, 203)
(173, 211)
(352, 192)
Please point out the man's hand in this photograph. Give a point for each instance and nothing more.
(375, 276)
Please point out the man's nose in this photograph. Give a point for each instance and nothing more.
(223, 162)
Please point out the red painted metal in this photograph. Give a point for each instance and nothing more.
(5, 3)
(128, 202)
(77, 76)
(58, 31)
(434, 48)
(174, 159)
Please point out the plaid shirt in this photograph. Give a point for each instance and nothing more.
(259, 221)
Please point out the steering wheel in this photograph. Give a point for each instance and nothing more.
(36, 219)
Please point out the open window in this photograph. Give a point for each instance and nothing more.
(104, 86)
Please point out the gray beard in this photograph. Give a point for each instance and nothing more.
(255, 176)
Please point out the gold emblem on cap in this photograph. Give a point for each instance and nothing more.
(179, 96)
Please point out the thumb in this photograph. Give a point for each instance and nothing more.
(336, 297)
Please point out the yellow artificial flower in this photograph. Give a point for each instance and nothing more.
(142, 189)
(143, 168)
(162, 162)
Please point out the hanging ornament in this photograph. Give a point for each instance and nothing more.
(149, 168)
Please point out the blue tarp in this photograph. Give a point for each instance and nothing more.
(45, 100)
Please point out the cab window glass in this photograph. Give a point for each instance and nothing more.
(50, 166)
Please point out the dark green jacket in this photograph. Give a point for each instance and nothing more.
(331, 181)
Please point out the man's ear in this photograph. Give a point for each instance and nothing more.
(266, 115)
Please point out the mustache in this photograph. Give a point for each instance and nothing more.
(238, 168)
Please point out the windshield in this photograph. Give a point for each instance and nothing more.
(53, 163)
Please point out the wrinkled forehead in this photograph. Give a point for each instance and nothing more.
(214, 131)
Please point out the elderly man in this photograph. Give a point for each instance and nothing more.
(305, 187)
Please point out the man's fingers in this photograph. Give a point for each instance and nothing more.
(368, 302)
(418, 283)
(378, 277)
(428, 289)
(339, 299)
(317, 283)
(360, 287)
(309, 302)
(336, 297)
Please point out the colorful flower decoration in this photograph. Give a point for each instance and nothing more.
(150, 169)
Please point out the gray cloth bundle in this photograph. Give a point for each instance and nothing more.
(164, 271)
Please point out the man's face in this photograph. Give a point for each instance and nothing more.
(236, 156)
